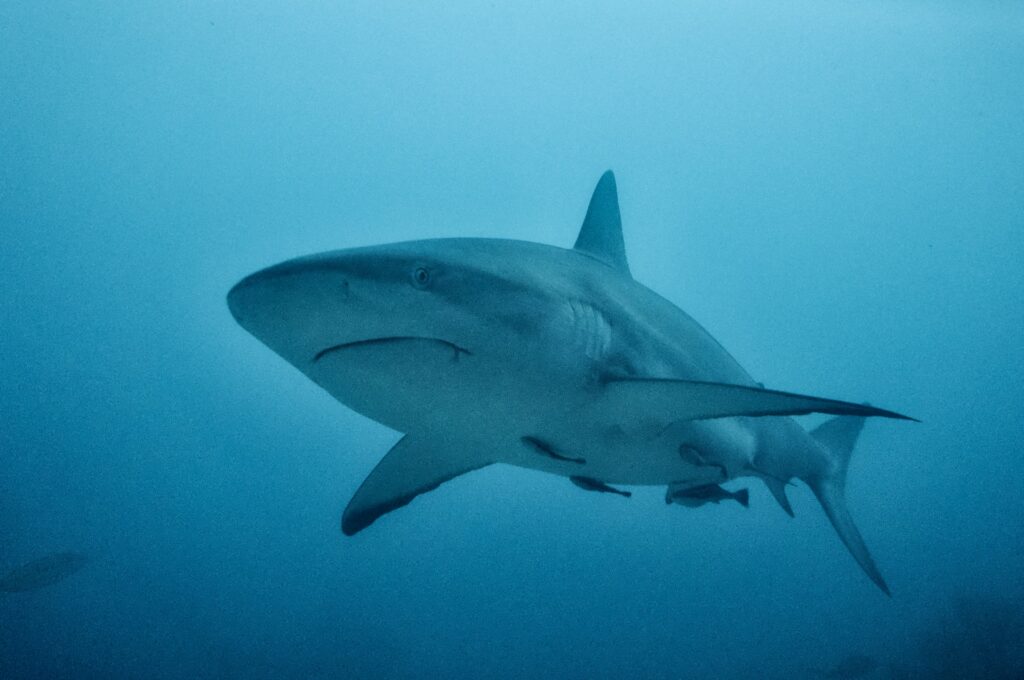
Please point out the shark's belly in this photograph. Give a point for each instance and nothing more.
(411, 384)
(525, 415)
(698, 452)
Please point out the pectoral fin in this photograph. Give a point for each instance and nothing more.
(410, 468)
(665, 401)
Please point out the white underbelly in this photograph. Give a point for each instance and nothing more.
(525, 416)
(696, 452)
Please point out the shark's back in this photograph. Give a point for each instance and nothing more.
(652, 337)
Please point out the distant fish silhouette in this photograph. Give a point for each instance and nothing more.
(696, 496)
(42, 572)
(853, 666)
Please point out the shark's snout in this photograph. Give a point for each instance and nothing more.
(251, 295)
(238, 296)
(236, 300)
(292, 293)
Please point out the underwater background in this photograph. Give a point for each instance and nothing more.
(835, 190)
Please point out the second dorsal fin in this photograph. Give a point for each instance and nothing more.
(601, 233)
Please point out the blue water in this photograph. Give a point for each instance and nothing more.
(833, 189)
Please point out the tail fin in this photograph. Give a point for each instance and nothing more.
(838, 436)
(743, 497)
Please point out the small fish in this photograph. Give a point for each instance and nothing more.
(696, 496)
(591, 484)
(42, 572)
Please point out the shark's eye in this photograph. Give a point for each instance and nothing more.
(421, 277)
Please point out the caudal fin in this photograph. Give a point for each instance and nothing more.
(838, 436)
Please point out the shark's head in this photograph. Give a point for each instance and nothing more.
(386, 329)
(303, 307)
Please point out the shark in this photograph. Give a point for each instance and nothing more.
(482, 351)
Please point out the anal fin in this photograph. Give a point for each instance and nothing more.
(778, 489)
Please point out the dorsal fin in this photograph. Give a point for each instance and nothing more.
(601, 233)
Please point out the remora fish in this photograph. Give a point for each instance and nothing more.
(590, 484)
(696, 496)
(489, 351)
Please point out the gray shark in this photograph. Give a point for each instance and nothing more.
(487, 351)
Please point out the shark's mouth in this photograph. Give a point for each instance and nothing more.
(458, 351)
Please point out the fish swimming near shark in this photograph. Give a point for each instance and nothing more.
(483, 351)
(590, 484)
(696, 496)
(42, 572)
